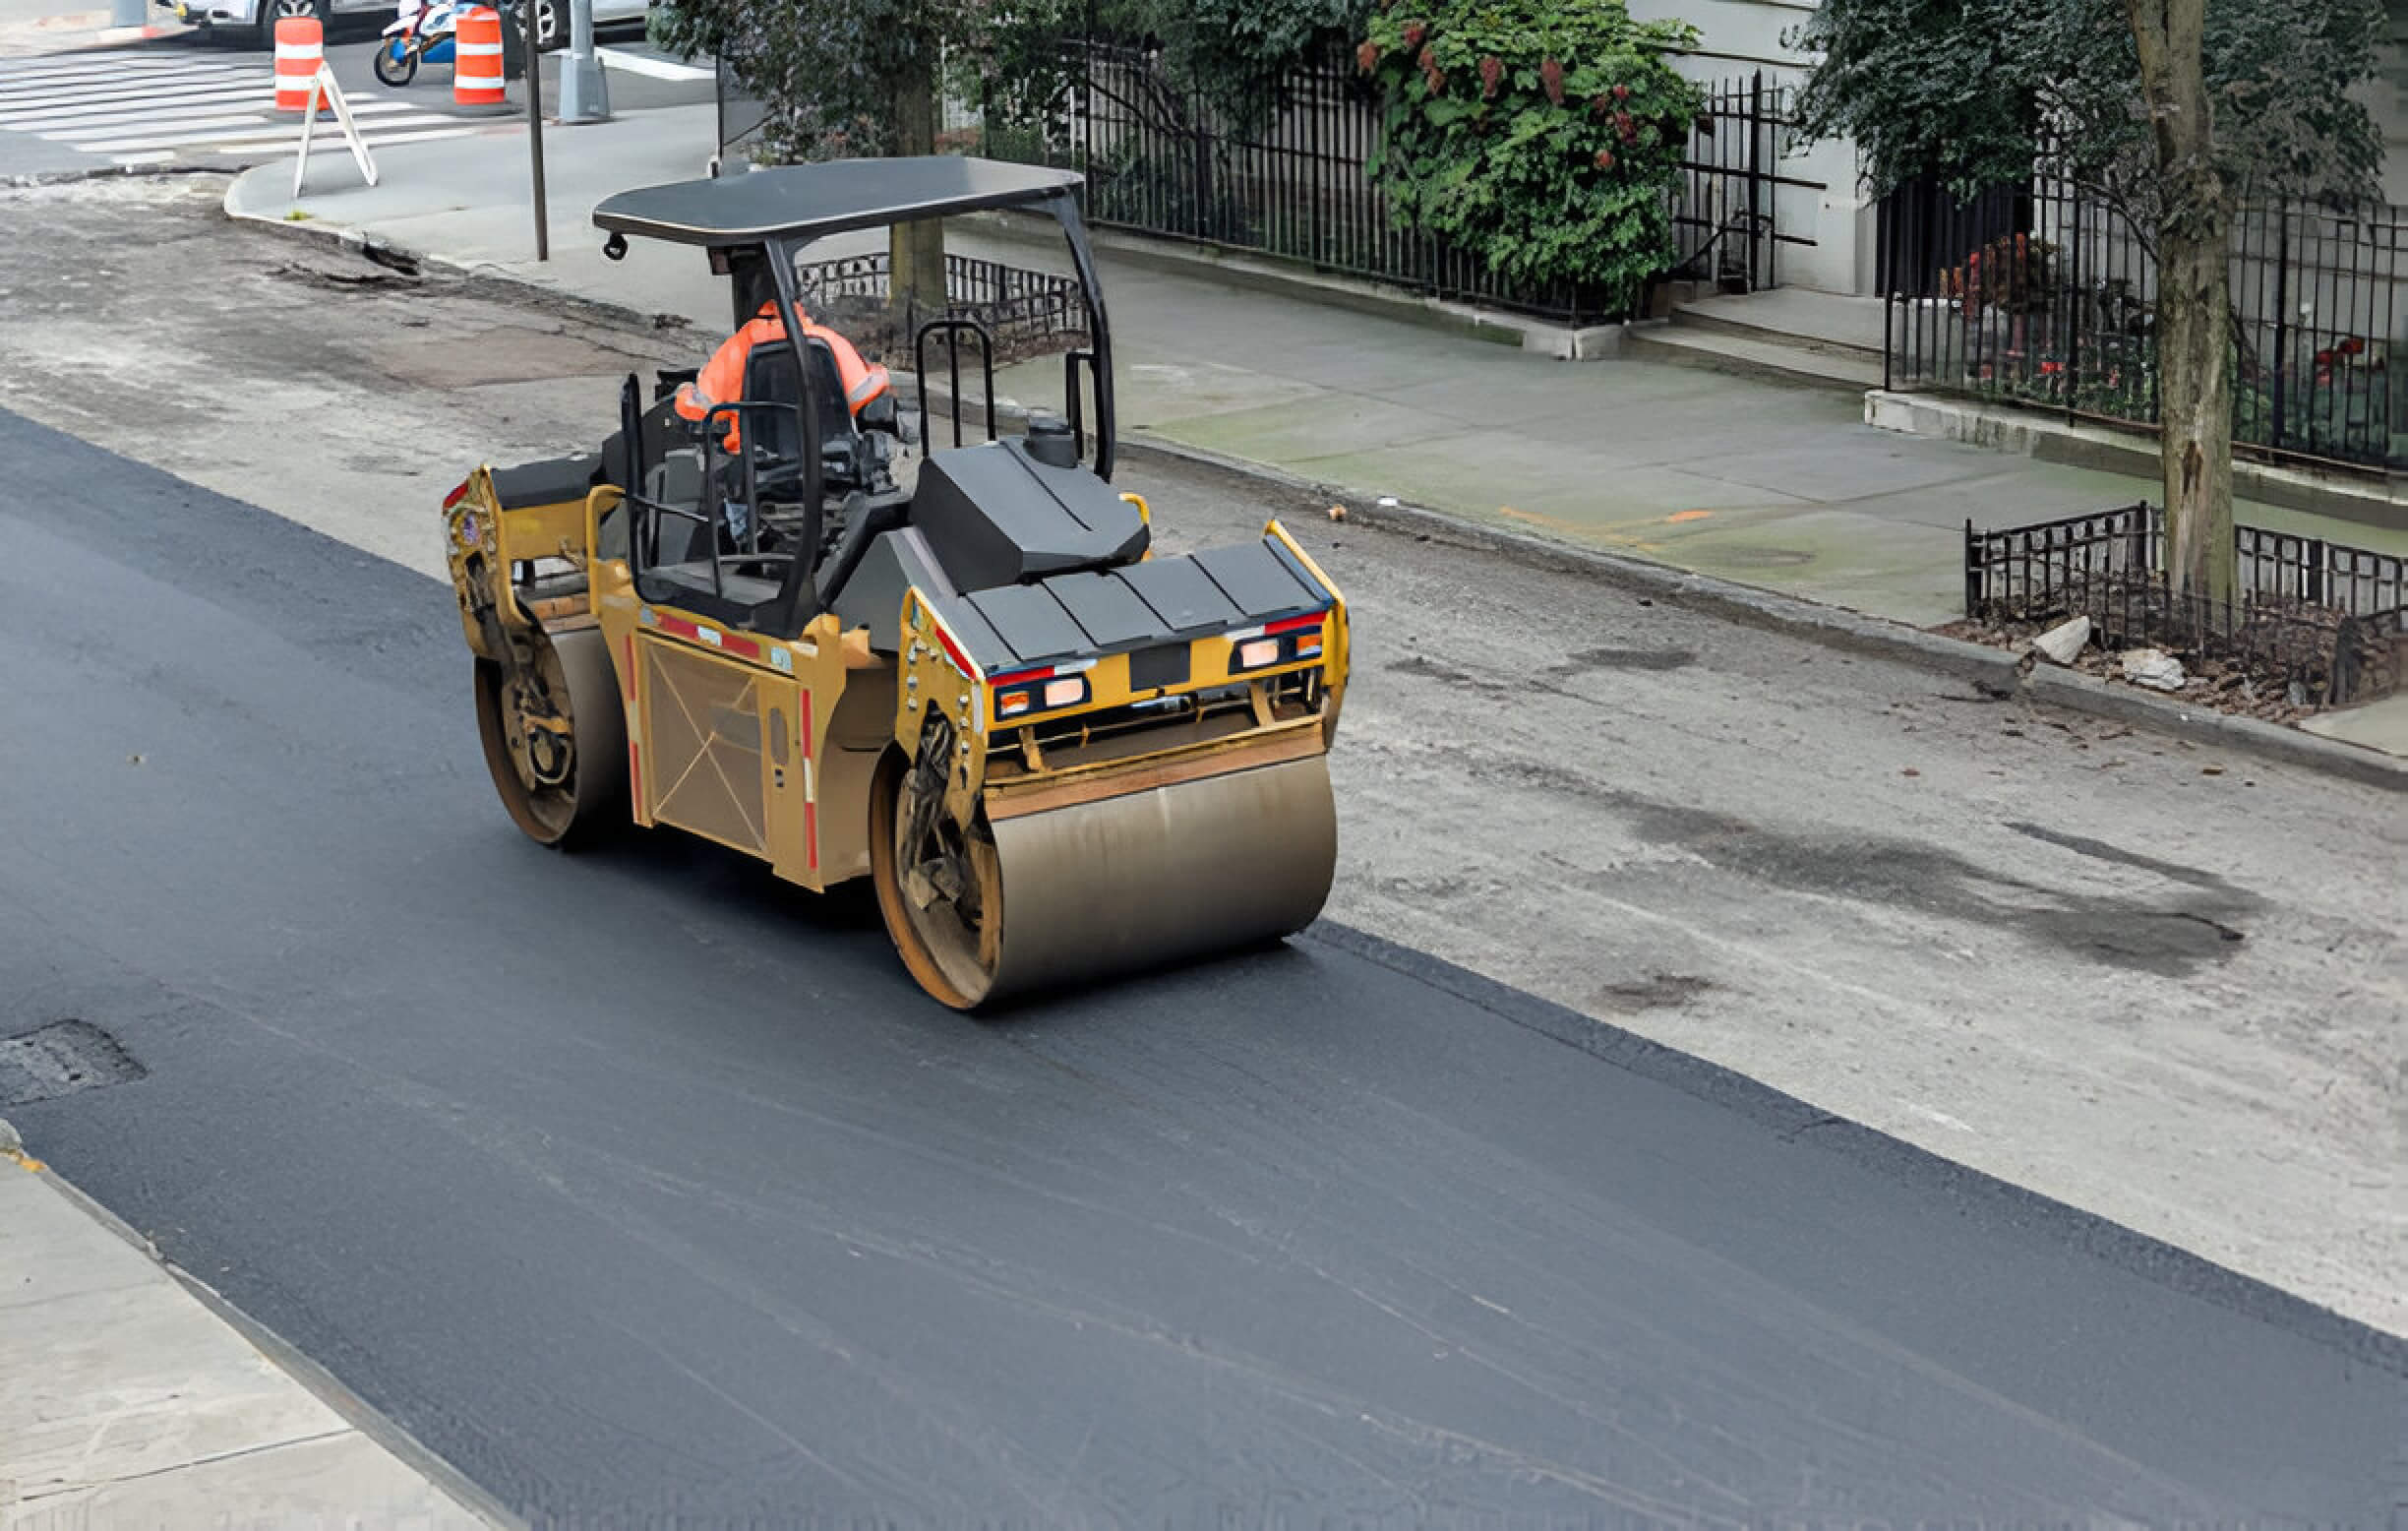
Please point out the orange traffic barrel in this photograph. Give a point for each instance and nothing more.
(476, 71)
(300, 48)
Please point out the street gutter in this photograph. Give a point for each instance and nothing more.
(1996, 672)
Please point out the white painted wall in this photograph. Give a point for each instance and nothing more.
(1739, 36)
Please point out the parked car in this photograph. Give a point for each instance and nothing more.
(254, 21)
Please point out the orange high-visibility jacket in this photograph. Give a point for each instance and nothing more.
(721, 380)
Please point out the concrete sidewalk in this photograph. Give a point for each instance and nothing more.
(1776, 487)
(125, 1400)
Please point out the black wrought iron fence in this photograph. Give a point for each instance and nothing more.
(1726, 220)
(2327, 620)
(1023, 313)
(2045, 295)
(1287, 175)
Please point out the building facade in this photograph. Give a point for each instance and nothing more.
(1818, 196)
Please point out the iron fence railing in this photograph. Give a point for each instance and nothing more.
(2045, 294)
(1021, 313)
(1287, 176)
(1726, 220)
(2325, 618)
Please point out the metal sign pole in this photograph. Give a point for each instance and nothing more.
(585, 88)
(534, 90)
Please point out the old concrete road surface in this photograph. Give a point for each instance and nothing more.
(639, 1187)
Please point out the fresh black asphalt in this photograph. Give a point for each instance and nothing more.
(637, 1185)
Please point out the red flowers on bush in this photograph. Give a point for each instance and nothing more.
(1626, 125)
(1622, 93)
(1552, 76)
(1367, 57)
(1605, 160)
(1415, 31)
(1492, 73)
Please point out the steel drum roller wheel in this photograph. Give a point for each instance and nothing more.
(563, 789)
(1121, 886)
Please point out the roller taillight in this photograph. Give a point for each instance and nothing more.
(1045, 689)
(1284, 642)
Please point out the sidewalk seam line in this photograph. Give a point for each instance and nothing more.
(200, 1461)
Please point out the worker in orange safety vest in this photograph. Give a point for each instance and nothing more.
(721, 379)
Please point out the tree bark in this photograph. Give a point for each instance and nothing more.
(2195, 380)
(916, 290)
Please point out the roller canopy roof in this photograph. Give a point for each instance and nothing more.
(808, 201)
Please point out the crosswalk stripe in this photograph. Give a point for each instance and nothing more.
(261, 130)
(134, 109)
(111, 90)
(138, 92)
(123, 63)
(104, 129)
(18, 84)
(649, 64)
(140, 110)
(195, 123)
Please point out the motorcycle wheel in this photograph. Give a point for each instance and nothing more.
(396, 71)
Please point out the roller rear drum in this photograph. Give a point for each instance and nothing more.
(1119, 885)
(558, 755)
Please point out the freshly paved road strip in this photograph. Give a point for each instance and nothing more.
(636, 1184)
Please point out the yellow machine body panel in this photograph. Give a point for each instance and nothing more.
(1116, 821)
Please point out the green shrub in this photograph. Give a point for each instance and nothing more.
(1545, 138)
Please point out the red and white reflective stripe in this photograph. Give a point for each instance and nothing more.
(1311, 619)
(1044, 672)
(811, 788)
(953, 651)
(708, 637)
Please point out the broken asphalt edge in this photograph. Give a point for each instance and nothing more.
(1997, 672)
(280, 1353)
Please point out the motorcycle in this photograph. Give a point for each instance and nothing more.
(424, 31)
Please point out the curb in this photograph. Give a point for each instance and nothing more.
(308, 1374)
(1997, 672)
(2365, 500)
(2074, 690)
(33, 179)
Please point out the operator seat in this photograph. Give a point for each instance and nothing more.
(772, 377)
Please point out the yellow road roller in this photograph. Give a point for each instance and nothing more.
(803, 629)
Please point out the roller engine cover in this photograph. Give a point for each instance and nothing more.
(995, 514)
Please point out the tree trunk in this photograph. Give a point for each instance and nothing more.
(2193, 300)
(916, 290)
(2195, 408)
